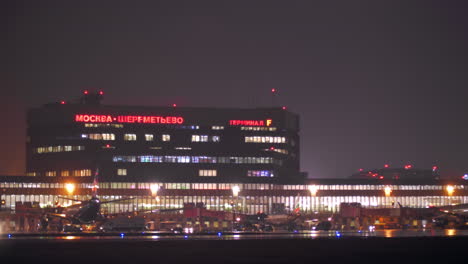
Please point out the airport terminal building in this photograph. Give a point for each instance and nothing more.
(164, 144)
(228, 159)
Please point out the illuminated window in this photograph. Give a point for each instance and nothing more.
(122, 172)
(50, 173)
(199, 138)
(197, 159)
(108, 136)
(104, 125)
(81, 173)
(98, 136)
(31, 174)
(258, 128)
(166, 137)
(217, 127)
(205, 138)
(183, 148)
(282, 151)
(260, 173)
(130, 137)
(149, 137)
(65, 173)
(207, 173)
(264, 139)
(51, 149)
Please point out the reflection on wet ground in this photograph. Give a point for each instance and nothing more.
(391, 233)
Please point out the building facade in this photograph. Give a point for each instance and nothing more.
(68, 140)
(243, 160)
(320, 195)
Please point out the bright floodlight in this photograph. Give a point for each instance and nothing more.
(387, 190)
(154, 189)
(450, 189)
(313, 189)
(70, 187)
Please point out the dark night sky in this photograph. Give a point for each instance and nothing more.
(374, 82)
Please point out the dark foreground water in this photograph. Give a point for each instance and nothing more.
(345, 249)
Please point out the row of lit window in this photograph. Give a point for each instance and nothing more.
(282, 151)
(209, 173)
(99, 136)
(197, 159)
(65, 173)
(195, 138)
(104, 125)
(258, 128)
(260, 173)
(51, 149)
(213, 173)
(368, 187)
(222, 186)
(205, 138)
(264, 139)
(248, 128)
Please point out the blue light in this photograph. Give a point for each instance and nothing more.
(220, 234)
(465, 177)
(338, 234)
(122, 234)
(185, 237)
(9, 235)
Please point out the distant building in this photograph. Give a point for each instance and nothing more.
(406, 173)
(67, 140)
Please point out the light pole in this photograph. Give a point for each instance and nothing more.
(450, 190)
(154, 188)
(235, 193)
(313, 192)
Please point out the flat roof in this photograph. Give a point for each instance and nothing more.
(322, 181)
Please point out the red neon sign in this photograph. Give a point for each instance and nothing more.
(250, 122)
(129, 119)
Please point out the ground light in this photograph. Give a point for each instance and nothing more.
(122, 234)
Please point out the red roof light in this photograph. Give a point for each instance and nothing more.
(101, 93)
(273, 90)
(85, 92)
(62, 102)
(284, 107)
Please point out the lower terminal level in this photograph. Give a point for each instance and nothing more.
(239, 198)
